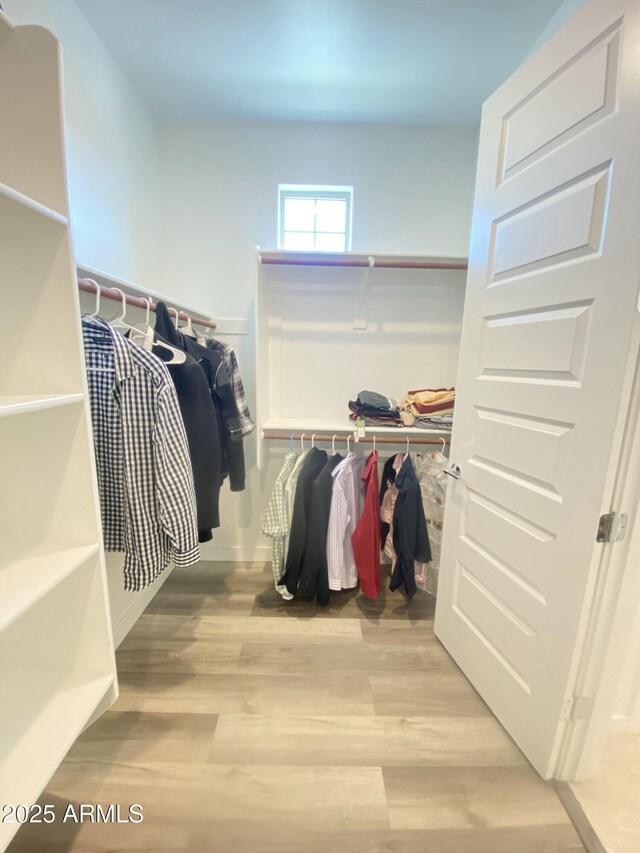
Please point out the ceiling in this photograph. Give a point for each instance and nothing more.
(395, 61)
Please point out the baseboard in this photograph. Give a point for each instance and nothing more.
(235, 553)
(579, 819)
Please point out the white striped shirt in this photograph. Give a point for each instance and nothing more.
(347, 504)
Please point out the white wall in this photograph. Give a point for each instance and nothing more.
(111, 148)
(413, 192)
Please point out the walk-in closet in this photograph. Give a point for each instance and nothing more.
(319, 409)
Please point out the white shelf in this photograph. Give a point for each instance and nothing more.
(54, 726)
(21, 404)
(310, 426)
(24, 582)
(12, 195)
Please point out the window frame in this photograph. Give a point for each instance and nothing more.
(316, 191)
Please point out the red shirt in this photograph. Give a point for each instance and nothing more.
(366, 537)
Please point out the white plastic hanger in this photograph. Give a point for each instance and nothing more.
(177, 313)
(98, 292)
(119, 320)
(313, 440)
(142, 333)
(333, 443)
(187, 329)
(302, 441)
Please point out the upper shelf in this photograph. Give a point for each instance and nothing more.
(284, 257)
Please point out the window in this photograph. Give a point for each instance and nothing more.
(314, 218)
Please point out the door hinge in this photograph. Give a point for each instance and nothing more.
(612, 527)
(575, 708)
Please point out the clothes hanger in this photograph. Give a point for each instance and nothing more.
(302, 441)
(98, 292)
(145, 333)
(291, 441)
(374, 442)
(187, 329)
(313, 440)
(177, 313)
(333, 443)
(147, 342)
(119, 320)
(349, 443)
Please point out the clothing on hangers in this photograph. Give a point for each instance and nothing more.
(275, 522)
(290, 494)
(410, 537)
(145, 482)
(429, 470)
(230, 361)
(232, 452)
(388, 495)
(366, 536)
(347, 504)
(314, 577)
(311, 467)
(201, 427)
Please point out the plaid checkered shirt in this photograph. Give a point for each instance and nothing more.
(276, 522)
(145, 480)
(231, 363)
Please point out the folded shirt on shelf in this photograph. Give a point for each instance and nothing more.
(428, 408)
(375, 409)
(443, 422)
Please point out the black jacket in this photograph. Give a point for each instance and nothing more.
(201, 426)
(314, 575)
(410, 536)
(311, 467)
(231, 447)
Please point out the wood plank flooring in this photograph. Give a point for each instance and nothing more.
(247, 724)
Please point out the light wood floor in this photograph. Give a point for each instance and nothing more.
(246, 723)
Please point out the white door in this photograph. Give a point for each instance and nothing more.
(552, 290)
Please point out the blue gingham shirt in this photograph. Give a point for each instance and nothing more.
(145, 479)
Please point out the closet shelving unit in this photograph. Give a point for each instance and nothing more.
(395, 320)
(57, 667)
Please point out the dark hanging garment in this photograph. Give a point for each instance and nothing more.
(410, 536)
(314, 575)
(388, 479)
(313, 464)
(211, 362)
(201, 426)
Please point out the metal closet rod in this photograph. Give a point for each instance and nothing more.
(88, 285)
(368, 439)
(320, 261)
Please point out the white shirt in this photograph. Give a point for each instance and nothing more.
(347, 504)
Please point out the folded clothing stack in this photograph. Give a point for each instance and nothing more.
(375, 409)
(430, 408)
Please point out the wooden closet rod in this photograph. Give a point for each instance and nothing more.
(88, 285)
(368, 439)
(320, 261)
